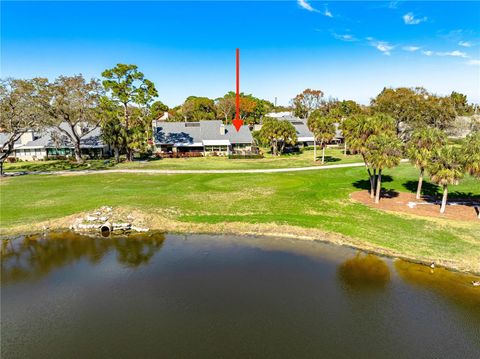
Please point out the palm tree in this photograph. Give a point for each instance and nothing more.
(420, 148)
(471, 156)
(383, 151)
(323, 129)
(358, 129)
(445, 168)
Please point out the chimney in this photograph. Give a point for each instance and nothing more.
(26, 137)
(222, 129)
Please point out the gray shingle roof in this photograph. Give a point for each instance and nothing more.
(300, 126)
(51, 137)
(188, 133)
(176, 133)
(4, 137)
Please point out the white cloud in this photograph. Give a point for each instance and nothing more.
(410, 19)
(427, 53)
(305, 5)
(465, 44)
(382, 46)
(411, 48)
(455, 53)
(474, 62)
(344, 37)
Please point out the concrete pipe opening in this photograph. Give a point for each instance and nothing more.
(106, 229)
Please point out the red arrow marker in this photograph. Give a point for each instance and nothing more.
(237, 122)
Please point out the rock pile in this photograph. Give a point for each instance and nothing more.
(106, 221)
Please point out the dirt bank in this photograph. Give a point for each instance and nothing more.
(165, 223)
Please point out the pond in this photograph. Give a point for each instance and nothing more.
(196, 296)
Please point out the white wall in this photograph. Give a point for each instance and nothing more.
(31, 154)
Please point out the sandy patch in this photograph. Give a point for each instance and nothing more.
(457, 209)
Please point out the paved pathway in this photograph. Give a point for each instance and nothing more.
(152, 171)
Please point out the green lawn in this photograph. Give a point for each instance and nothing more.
(56, 165)
(310, 199)
(304, 159)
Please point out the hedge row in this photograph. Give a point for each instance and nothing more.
(245, 157)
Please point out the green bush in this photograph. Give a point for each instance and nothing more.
(245, 157)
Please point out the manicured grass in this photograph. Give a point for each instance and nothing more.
(56, 165)
(304, 159)
(309, 199)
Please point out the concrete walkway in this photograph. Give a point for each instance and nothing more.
(160, 172)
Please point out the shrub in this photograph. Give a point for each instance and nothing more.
(245, 157)
(178, 154)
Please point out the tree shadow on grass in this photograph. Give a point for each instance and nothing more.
(432, 192)
(329, 159)
(385, 193)
(428, 189)
(365, 183)
(464, 195)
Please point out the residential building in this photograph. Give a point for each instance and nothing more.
(206, 137)
(304, 135)
(53, 143)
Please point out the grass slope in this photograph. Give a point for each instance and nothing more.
(317, 200)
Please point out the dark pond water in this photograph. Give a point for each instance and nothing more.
(157, 296)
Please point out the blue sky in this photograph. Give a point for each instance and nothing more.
(350, 50)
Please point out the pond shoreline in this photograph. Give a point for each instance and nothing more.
(171, 226)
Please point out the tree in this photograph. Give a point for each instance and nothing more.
(157, 110)
(445, 168)
(277, 134)
(414, 107)
(71, 104)
(340, 110)
(262, 107)
(358, 129)
(471, 156)
(423, 142)
(252, 109)
(384, 150)
(347, 108)
(323, 129)
(198, 108)
(306, 102)
(247, 108)
(113, 132)
(225, 107)
(140, 129)
(460, 104)
(127, 87)
(20, 112)
(435, 111)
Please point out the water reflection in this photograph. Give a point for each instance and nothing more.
(454, 286)
(364, 271)
(32, 257)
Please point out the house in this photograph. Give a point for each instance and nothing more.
(206, 137)
(53, 143)
(304, 135)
